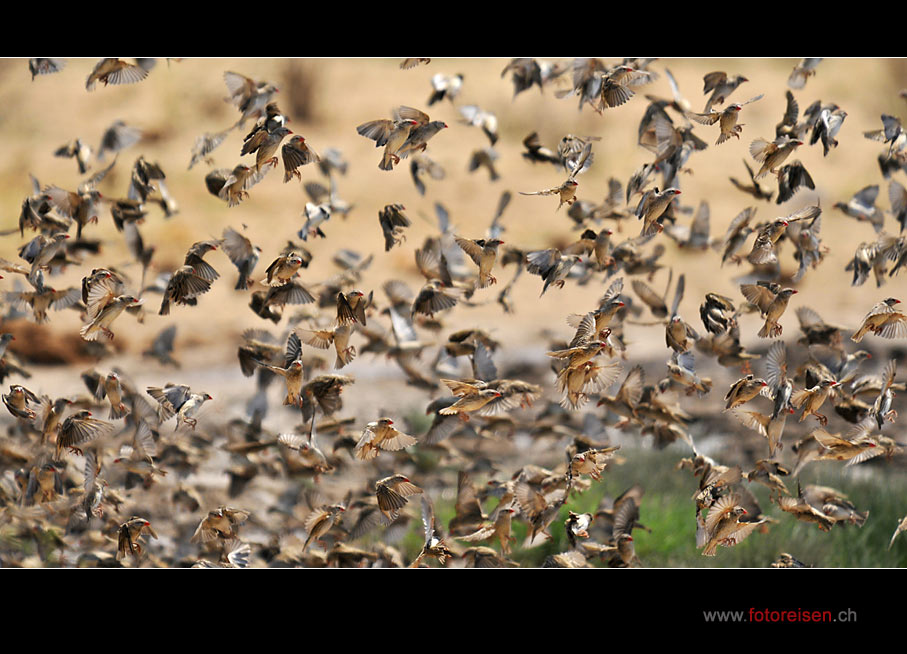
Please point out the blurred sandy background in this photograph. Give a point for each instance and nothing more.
(327, 98)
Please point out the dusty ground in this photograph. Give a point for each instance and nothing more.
(326, 99)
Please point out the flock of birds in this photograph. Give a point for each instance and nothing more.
(75, 468)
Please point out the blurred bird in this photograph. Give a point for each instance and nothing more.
(445, 86)
(220, 524)
(551, 266)
(476, 117)
(249, 96)
(243, 254)
(76, 149)
(184, 286)
(827, 127)
(772, 154)
(100, 324)
(392, 221)
(652, 207)
(114, 71)
(862, 207)
(45, 66)
(381, 435)
(791, 178)
(802, 72)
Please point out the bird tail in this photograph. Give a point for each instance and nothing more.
(859, 334)
(118, 411)
(769, 329)
(387, 161)
(345, 356)
(88, 335)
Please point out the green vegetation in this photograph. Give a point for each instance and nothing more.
(668, 510)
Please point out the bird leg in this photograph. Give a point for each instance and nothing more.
(107, 333)
(822, 419)
(464, 417)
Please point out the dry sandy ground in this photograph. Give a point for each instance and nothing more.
(180, 100)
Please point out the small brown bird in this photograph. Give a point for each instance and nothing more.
(296, 152)
(392, 493)
(392, 221)
(80, 428)
(100, 324)
(114, 392)
(393, 133)
(471, 402)
(183, 288)
(292, 371)
(812, 399)
(802, 72)
(652, 207)
(195, 258)
(592, 462)
(320, 521)
(243, 254)
(744, 390)
(17, 401)
(727, 119)
(233, 186)
(114, 71)
(129, 537)
(772, 301)
(433, 546)
(723, 526)
(339, 336)
(419, 137)
(771, 154)
(551, 266)
(220, 524)
(381, 435)
(483, 253)
(883, 320)
(265, 144)
(435, 297)
(763, 251)
(855, 447)
(566, 191)
(283, 269)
